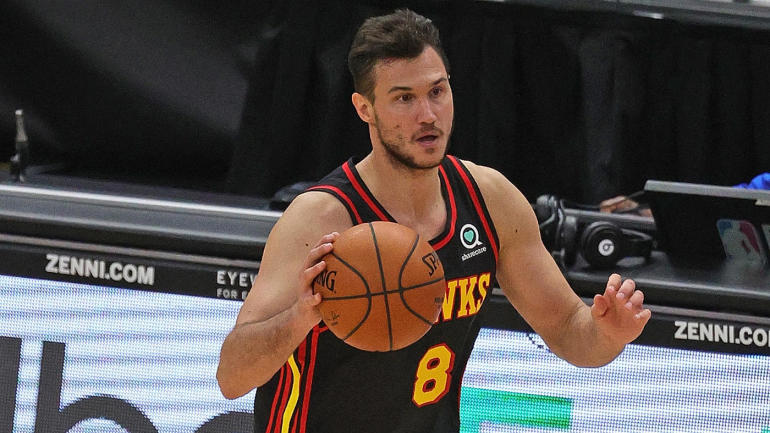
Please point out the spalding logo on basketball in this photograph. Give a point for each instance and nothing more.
(383, 286)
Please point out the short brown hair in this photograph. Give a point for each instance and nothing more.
(402, 34)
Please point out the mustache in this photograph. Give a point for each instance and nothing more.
(428, 130)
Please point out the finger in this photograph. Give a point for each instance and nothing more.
(309, 274)
(643, 316)
(626, 290)
(317, 253)
(321, 248)
(613, 282)
(327, 238)
(310, 299)
(314, 299)
(636, 300)
(613, 202)
(600, 306)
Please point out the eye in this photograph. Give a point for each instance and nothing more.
(436, 91)
(404, 98)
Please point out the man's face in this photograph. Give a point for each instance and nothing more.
(413, 109)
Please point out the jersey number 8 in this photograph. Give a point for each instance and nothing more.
(433, 377)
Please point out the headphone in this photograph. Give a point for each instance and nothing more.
(557, 229)
(602, 243)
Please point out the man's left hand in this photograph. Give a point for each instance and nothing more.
(619, 313)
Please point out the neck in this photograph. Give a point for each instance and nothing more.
(412, 196)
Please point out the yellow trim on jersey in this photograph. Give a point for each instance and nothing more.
(293, 397)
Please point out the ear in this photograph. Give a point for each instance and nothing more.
(363, 107)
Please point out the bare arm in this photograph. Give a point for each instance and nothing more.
(536, 287)
(281, 307)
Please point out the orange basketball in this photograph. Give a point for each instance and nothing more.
(382, 288)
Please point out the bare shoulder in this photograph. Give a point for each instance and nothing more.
(315, 211)
(498, 191)
(308, 217)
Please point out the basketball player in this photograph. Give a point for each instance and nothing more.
(481, 226)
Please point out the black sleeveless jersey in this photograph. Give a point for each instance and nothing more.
(328, 386)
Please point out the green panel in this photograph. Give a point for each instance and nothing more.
(478, 405)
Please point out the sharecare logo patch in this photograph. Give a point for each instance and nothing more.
(100, 269)
(722, 333)
(469, 236)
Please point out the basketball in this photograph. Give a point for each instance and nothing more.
(383, 286)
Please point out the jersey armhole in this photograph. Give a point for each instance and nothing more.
(342, 197)
(478, 201)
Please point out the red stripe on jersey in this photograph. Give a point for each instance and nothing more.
(343, 196)
(362, 192)
(284, 399)
(476, 203)
(309, 381)
(452, 206)
(275, 400)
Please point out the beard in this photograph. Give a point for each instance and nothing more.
(395, 148)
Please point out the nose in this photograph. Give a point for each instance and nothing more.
(426, 112)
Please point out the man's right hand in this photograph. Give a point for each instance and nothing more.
(307, 301)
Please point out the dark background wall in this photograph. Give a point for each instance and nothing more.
(246, 97)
